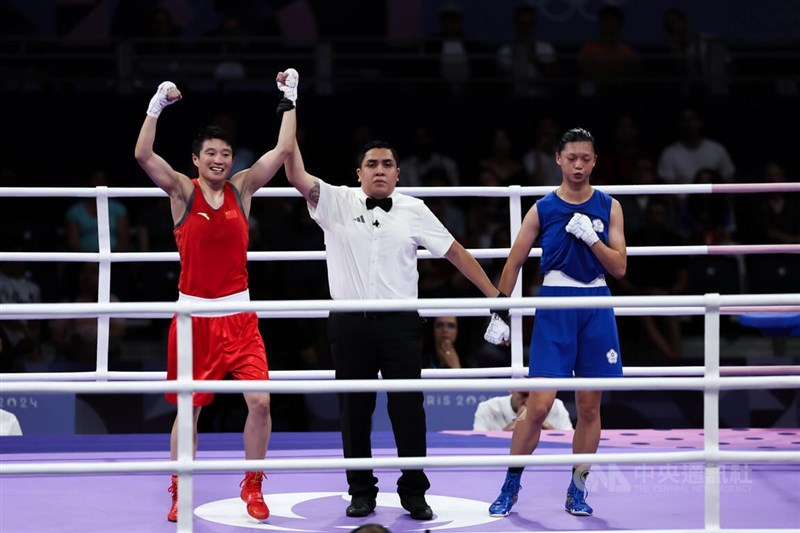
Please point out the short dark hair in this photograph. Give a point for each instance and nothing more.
(208, 133)
(575, 135)
(370, 528)
(376, 144)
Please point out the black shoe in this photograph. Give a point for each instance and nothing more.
(360, 506)
(417, 507)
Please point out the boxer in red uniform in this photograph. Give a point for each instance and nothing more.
(210, 214)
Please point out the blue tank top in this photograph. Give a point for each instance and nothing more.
(561, 250)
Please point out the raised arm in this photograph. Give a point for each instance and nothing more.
(248, 181)
(177, 186)
(301, 180)
(466, 263)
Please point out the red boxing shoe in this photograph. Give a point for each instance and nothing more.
(251, 494)
(172, 515)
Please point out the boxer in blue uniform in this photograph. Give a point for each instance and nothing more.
(580, 230)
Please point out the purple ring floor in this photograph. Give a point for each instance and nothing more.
(625, 497)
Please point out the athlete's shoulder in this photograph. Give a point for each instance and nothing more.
(548, 198)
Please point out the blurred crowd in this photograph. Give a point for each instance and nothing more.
(667, 143)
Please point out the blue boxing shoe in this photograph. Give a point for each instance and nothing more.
(508, 496)
(576, 501)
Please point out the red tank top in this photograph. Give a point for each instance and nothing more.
(212, 244)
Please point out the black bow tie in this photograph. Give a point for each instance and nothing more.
(384, 203)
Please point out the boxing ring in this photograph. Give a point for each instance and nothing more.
(707, 479)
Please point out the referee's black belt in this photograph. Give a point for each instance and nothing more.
(373, 315)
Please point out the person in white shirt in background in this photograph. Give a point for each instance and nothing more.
(9, 425)
(502, 413)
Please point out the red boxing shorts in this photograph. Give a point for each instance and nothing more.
(221, 345)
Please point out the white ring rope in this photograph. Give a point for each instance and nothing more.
(89, 309)
(219, 465)
(408, 385)
(712, 381)
(689, 188)
(319, 255)
(483, 372)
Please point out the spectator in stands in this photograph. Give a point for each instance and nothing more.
(425, 157)
(442, 351)
(80, 224)
(9, 425)
(156, 281)
(20, 338)
(777, 217)
(618, 162)
(539, 162)
(527, 59)
(774, 219)
(81, 220)
(76, 339)
(162, 33)
(486, 216)
(680, 161)
(607, 60)
(229, 40)
(502, 413)
(634, 205)
(445, 208)
(701, 60)
(709, 218)
(452, 50)
(657, 276)
(501, 159)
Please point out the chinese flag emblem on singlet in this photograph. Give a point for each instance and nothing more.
(231, 214)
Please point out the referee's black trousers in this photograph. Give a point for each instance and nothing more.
(361, 345)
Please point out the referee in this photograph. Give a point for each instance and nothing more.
(371, 239)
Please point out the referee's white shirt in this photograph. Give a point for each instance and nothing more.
(372, 254)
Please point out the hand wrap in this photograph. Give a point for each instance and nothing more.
(160, 100)
(289, 85)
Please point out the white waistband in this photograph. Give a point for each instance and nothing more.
(243, 296)
(556, 278)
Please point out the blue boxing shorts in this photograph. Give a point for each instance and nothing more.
(575, 342)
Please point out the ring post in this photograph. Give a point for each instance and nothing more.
(185, 423)
(711, 412)
(103, 281)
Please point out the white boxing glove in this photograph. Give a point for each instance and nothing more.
(581, 226)
(289, 85)
(497, 332)
(162, 98)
